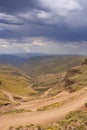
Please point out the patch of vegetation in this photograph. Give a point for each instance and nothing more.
(74, 120)
(15, 111)
(28, 127)
(49, 107)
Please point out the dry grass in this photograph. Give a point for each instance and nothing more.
(11, 79)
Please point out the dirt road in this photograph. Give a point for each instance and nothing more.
(42, 117)
(46, 93)
(34, 105)
(13, 97)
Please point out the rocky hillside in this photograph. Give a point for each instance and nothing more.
(76, 78)
(73, 79)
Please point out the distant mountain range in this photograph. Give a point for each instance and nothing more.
(28, 55)
(12, 59)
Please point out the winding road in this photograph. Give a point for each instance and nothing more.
(42, 117)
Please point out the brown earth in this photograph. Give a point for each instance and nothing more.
(36, 117)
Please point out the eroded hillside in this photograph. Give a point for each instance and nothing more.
(72, 80)
(76, 78)
(13, 81)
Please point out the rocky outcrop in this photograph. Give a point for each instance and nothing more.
(84, 62)
(68, 82)
(72, 72)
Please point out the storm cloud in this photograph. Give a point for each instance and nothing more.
(55, 23)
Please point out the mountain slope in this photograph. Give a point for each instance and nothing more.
(50, 64)
(44, 82)
(72, 80)
(12, 59)
(13, 80)
(76, 78)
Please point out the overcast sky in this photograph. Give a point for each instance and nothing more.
(43, 26)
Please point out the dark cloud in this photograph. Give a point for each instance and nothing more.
(8, 34)
(14, 6)
(54, 33)
(58, 21)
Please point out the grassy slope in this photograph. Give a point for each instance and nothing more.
(11, 79)
(45, 71)
(76, 78)
(3, 99)
(44, 82)
(50, 64)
